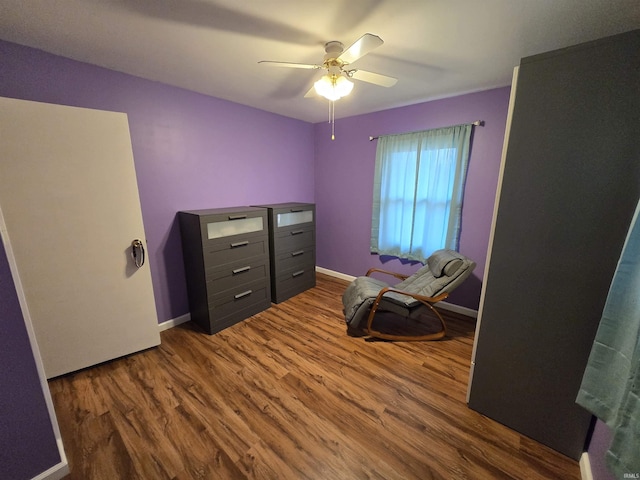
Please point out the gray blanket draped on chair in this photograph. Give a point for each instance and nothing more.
(611, 384)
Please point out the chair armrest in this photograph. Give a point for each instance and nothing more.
(394, 274)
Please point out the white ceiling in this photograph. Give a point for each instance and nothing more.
(436, 48)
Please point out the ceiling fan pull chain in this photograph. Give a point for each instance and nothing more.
(333, 119)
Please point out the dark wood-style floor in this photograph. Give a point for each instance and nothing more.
(287, 395)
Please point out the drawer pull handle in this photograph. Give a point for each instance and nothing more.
(297, 232)
(297, 274)
(242, 269)
(297, 210)
(240, 244)
(243, 294)
(295, 254)
(237, 217)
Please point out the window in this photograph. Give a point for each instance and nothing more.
(418, 190)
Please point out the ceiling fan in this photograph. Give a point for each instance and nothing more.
(335, 84)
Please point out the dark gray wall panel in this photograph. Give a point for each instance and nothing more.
(571, 183)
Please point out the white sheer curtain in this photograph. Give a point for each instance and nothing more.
(418, 190)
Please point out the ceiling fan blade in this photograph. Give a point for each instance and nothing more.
(360, 47)
(289, 64)
(376, 78)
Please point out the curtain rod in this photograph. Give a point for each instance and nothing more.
(477, 123)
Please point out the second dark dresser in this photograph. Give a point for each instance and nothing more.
(292, 252)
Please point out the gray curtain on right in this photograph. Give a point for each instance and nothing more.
(611, 383)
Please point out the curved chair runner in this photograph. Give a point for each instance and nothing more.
(443, 271)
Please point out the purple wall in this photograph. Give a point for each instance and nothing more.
(24, 418)
(191, 151)
(344, 182)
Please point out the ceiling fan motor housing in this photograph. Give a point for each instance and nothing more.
(333, 50)
(331, 61)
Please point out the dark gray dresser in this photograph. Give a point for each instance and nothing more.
(226, 258)
(292, 234)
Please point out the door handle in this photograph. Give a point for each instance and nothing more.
(137, 252)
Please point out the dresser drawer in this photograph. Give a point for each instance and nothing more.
(226, 301)
(232, 309)
(234, 275)
(293, 282)
(295, 260)
(245, 248)
(225, 226)
(296, 216)
(294, 239)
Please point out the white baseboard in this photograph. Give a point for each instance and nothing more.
(332, 273)
(174, 322)
(469, 312)
(585, 467)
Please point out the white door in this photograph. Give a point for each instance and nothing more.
(69, 197)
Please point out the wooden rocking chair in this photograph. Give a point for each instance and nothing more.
(366, 296)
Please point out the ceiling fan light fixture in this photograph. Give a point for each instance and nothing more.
(333, 87)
